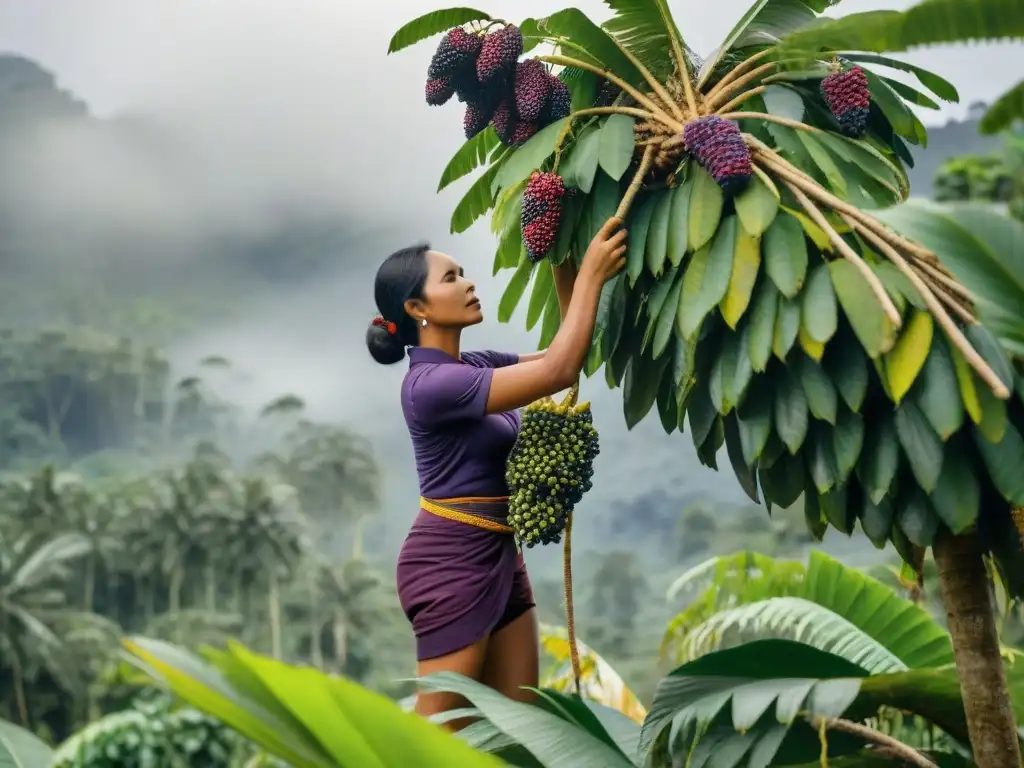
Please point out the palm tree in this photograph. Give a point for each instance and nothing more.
(764, 301)
(33, 570)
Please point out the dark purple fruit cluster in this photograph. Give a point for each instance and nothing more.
(849, 98)
(484, 71)
(718, 146)
(541, 213)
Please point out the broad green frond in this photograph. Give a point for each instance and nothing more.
(433, 23)
(1006, 110)
(789, 618)
(647, 28)
(932, 22)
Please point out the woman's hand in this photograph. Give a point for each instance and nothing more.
(606, 254)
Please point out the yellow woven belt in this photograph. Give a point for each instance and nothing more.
(450, 509)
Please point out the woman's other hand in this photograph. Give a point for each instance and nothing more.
(606, 254)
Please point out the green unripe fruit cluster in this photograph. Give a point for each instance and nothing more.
(549, 469)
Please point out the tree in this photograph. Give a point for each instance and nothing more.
(764, 301)
(997, 177)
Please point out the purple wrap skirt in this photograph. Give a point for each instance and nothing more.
(458, 582)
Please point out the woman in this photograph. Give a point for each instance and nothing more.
(461, 581)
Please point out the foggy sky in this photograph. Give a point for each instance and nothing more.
(293, 104)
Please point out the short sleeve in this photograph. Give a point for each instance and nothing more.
(450, 392)
(488, 358)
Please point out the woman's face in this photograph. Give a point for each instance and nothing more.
(449, 298)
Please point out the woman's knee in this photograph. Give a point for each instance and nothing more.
(467, 661)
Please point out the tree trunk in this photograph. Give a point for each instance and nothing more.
(316, 651)
(211, 587)
(972, 627)
(274, 609)
(340, 644)
(90, 582)
(19, 690)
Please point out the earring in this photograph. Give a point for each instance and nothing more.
(423, 322)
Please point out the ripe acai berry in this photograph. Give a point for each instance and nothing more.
(718, 146)
(458, 50)
(439, 91)
(504, 121)
(499, 53)
(532, 88)
(522, 133)
(475, 119)
(849, 98)
(541, 213)
(559, 102)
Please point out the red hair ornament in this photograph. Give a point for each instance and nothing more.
(390, 327)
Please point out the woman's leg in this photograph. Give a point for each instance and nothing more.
(512, 657)
(467, 661)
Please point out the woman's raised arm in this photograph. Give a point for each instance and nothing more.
(516, 386)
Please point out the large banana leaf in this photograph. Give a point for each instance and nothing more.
(869, 610)
(749, 704)
(789, 618)
(21, 749)
(562, 732)
(300, 715)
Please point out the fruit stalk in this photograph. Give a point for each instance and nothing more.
(713, 101)
(894, 747)
(745, 96)
(635, 184)
(657, 112)
(732, 74)
(972, 627)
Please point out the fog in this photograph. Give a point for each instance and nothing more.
(260, 111)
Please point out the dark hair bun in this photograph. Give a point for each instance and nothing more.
(386, 348)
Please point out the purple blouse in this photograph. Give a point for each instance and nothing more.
(460, 451)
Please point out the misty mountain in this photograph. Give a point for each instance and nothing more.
(139, 224)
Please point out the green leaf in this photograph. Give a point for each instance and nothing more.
(755, 423)
(785, 255)
(822, 398)
(514, 291)
(849, 370)
(922, 446)
(1004, 461)
(791, 412)
(637, 244)
(667, 317)
(433, 23)
(576, 26)
(917, 519)
(819, 317)
(757, 207)
(867, 318)
(824, 161)
(549, 738)
(477, 200)
(745, 473)
(745, 268)
(1002, 113)
(906, 359)
(543, 285)
(656, 248)
(617, 144)
(678, 228)
(470, 156)
(706, 202)
(640, 389)
(550, 324)
(848, 440)
(21, 749)
(762, 325)
(941, 87)
(880, 458)
(784, 102)
(580, 166)
(936, 392)
(876, 521)
(787, 325)
(957, 495)
(707, 279)
(529, 157)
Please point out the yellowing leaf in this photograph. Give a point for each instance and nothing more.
(968, 390)
(814, 349)
(745, 266)
(905, 360)
(813, 231)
